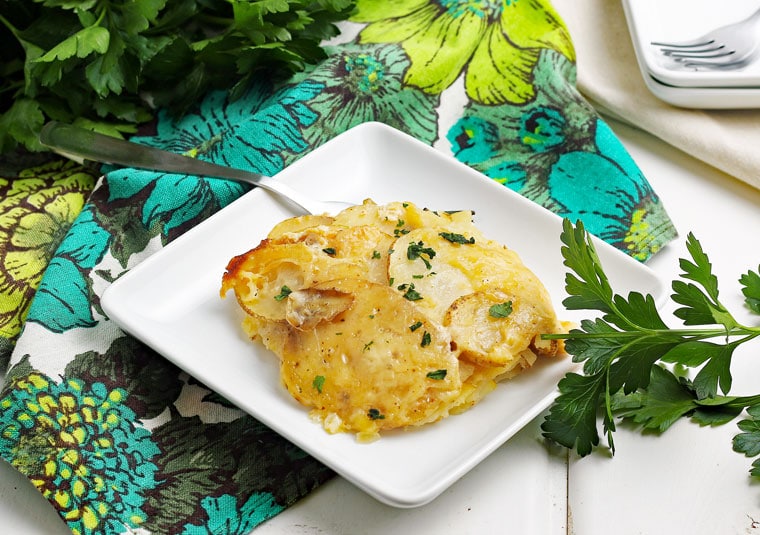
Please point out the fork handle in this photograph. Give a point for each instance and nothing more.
(83, 143)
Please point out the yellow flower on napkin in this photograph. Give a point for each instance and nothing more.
(495, 43)
(36, 210)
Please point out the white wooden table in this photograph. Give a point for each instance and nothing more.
(685, 481)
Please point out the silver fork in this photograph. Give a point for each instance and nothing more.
(727, 47)
(79, 143)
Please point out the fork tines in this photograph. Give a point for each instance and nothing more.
(695, 51)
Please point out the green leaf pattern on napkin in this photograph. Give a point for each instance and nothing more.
(38, 204)
(494, 44)
(119, 439)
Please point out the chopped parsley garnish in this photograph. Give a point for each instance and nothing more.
(368, 345)
(425, 339)
(329, 250)
(409, 292)
(374, 414)
(376, 255)
(318, 382)
(437, 375)
(418, 250)
(414, 326)
(284, 292)
(457, 238)
(501, 310)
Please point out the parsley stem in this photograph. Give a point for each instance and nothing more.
(11, 27)
(747, 332)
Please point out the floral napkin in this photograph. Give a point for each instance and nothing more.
(610, 78)
(121, 441)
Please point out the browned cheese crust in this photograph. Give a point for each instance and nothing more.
(390, 316)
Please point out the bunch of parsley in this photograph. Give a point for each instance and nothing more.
(109, 64)
(636, 367)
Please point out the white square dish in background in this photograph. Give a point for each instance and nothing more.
(680, 20)
(171, 302)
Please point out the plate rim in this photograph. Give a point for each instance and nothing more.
(408, 497)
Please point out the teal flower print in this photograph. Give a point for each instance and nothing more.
(250, 133)
(510, 174)
(101, 463)
(541, 128)
(225, 517)
(365, 83)
(608, 192)
(527, 139)
(475, 140)
(555, 151)
(62, 301)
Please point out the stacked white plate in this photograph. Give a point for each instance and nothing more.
(681, 20)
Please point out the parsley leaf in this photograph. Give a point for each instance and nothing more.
(500, 310)
(700, 305)
(748, 441)
(110, 65)
(629, 352)
(751, 290)
(437, 375)
(410, 293)
(457, 238)
(665, 401)
(284, 292)
(318, 383)
(426, 339)
(572, 420)
(418, 250)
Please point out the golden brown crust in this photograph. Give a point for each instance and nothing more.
(390, 316)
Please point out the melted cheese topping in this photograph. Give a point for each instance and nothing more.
(389, 316)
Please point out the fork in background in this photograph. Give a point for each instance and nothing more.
(727, 47)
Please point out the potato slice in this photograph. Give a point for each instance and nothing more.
(425, 266)
(398, 218)
(458, 283)
(262, 277)
(379, 364)
(443, 270)
(495, 328)
(298, 224)
(305, 309)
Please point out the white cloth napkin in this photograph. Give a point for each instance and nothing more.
(609, 77)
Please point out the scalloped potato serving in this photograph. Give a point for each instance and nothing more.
(390, 316)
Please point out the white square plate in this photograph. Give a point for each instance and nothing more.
(171, 301)
(680, 20)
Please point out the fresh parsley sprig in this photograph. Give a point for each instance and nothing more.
(109, 65)
(635, 366)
